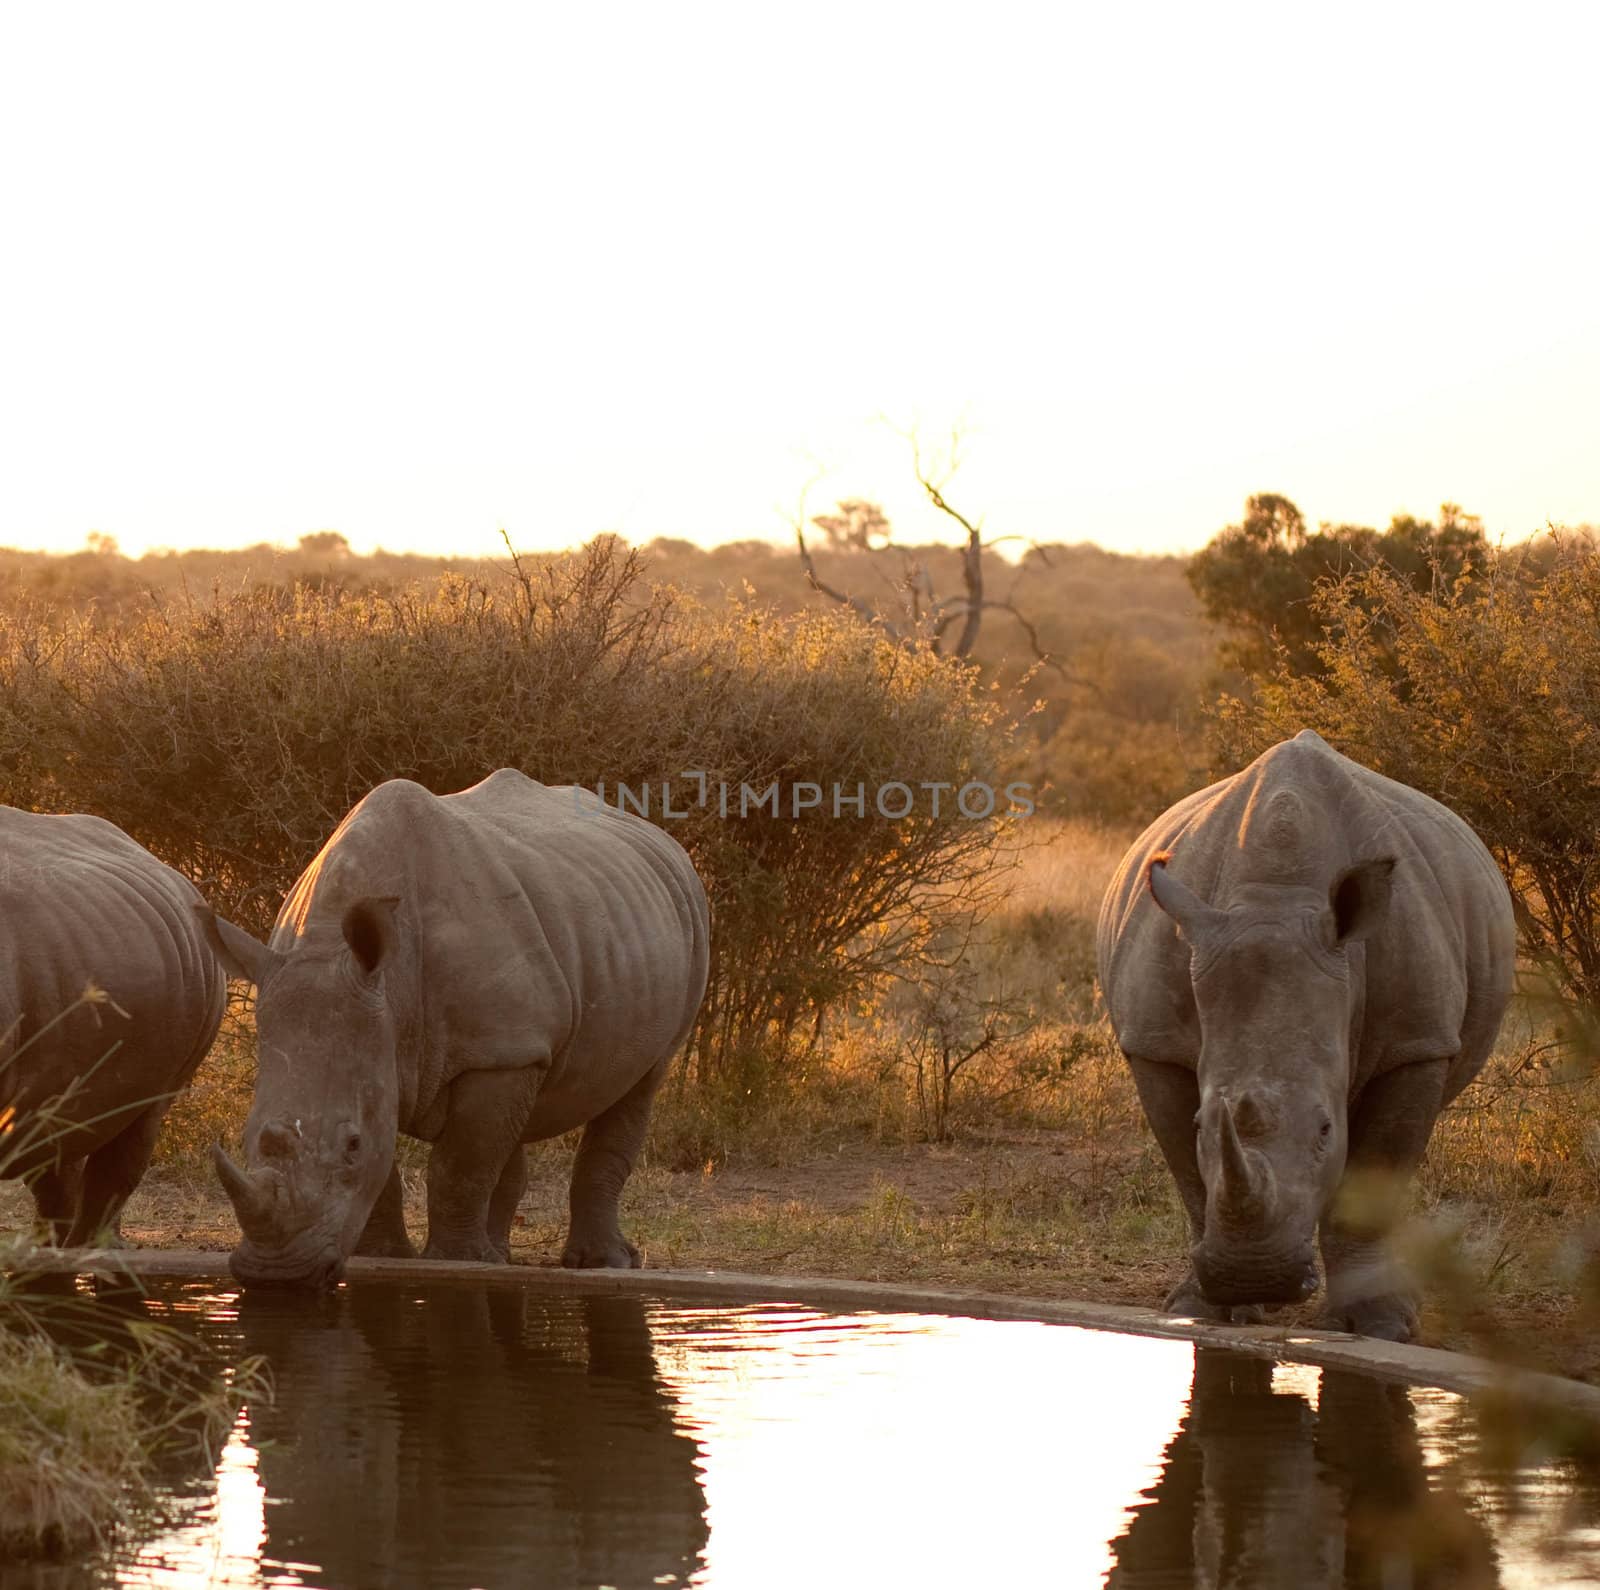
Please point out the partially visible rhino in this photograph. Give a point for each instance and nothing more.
(478, 970)
(1303, 964)
(84, 1084)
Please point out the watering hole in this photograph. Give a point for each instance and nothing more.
(485, 1435)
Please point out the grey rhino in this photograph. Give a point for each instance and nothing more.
(1303, 964)
(84, 1084)
(478, 970)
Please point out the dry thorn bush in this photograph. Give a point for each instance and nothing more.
(231, 735)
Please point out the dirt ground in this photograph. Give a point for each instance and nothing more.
(1005, 1212)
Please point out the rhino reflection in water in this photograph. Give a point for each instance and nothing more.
(1259, 1488)
(470, 1437)
(478, 970)
(1303, 964)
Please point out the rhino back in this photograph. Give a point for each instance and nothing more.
(1434, 980)
(535, 931)
(82, 904)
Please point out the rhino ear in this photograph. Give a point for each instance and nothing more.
(241, 955)
(1360, 899)
(1194, 917)
(369, 930)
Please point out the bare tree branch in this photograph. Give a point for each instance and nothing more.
(927, 616)
(865, 609)
(971, 556)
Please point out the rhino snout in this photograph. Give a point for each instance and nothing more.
(317, 1271)
(1227, 1278)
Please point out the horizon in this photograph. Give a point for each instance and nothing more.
(1011, 552)
(693, 276)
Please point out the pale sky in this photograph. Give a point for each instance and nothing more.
(416, 273)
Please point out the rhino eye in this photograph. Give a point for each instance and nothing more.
(1325, 1131)
(352, 1144)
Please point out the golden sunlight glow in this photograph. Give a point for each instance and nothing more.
(920, 1450)
(223, 1545)
(416, 277)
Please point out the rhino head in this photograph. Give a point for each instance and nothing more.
(319, 1141)
(1277, 998)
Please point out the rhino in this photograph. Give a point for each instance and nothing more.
(1303, 964)
(110, 997)
(477, 970)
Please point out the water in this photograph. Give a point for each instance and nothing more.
(459, 1436)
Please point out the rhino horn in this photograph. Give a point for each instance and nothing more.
(1195, 918)
(1242, 1194)
(247, 1195)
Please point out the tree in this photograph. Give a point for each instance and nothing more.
(916, 614)
(1257, 578)
(1483, 692)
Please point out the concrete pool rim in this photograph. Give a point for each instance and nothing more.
(1411, 1365)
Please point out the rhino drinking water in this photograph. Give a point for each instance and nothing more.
(478, 970)
(1303, 964)
(84, 1083)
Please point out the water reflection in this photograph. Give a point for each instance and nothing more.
(456, 1435)
(464, 1439)
(1261, 1486)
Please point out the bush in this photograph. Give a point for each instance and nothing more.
(94, 1395)
(230, 736)
(1484, 693)
(1257, 579)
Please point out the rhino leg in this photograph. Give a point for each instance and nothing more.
(56, 1192)
(1171, 1098)
(110, 1175)
(611, 1143)
(505, 1198)
(489, 1111)
(384, 1236)
(1367, 1291)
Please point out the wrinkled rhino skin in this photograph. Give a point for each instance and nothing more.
(478, 970)
(1303, 964)
(84, 1086)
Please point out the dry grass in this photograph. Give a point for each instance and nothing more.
(90, 1397)
(99, 1402)
(1065, 867)
(70, 1450)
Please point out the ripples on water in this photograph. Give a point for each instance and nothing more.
(458, 1435)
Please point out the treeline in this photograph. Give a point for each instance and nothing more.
(228, 707)
(1106, 663)
(1110, 664)
(230, 735)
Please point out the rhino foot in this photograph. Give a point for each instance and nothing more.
(1186, 1299)
(480, 1251)
(386, 1248)
(613, 1253)
(1387, 1319)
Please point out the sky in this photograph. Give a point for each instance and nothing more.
(418, 274)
